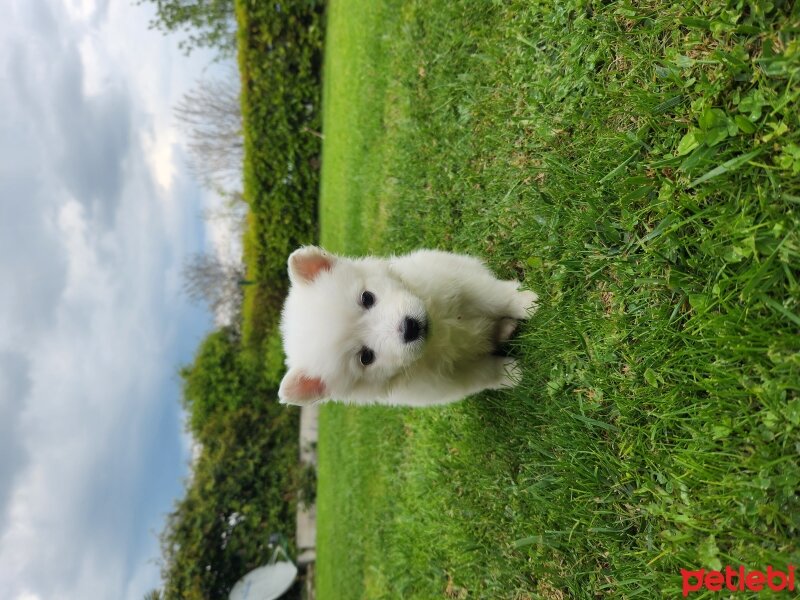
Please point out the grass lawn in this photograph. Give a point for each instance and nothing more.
(638, 165)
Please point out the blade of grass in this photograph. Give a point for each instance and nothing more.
(727, 167)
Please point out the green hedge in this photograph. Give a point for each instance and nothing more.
(222, 378)
(280, 59)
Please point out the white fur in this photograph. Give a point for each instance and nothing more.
(468, 311)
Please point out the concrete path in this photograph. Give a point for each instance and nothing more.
(307, 516)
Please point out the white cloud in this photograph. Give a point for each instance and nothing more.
(96, 76)
(80, 10)
(88, 282)
(95, 392)
(96, 309)
(159, 146)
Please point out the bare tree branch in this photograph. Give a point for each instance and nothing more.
(211, 116)
(209, 280)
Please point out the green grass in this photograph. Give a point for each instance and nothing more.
(355, 102)
(637, 165)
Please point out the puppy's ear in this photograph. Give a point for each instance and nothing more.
(300, 389)
(306, 263)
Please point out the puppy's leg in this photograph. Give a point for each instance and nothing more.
(485, 294)
(521, 303)
(482, 290)
(470, 285)
(487, 372)
(505, 329)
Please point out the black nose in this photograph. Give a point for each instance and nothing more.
(411, 329)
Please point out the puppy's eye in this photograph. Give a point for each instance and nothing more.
(367, 299)
(366, 356)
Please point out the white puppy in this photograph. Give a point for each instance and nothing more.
(413, 330)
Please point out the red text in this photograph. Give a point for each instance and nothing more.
(738, 580)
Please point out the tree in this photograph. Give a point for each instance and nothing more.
(211, 116)
(208, 23)
(229, 216)
(209, 279)
(217, 381)
(235, 499)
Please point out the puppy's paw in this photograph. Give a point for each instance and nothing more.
(505, 329)
(511, 373)
(524, 304)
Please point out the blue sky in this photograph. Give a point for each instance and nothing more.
(97, 215)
